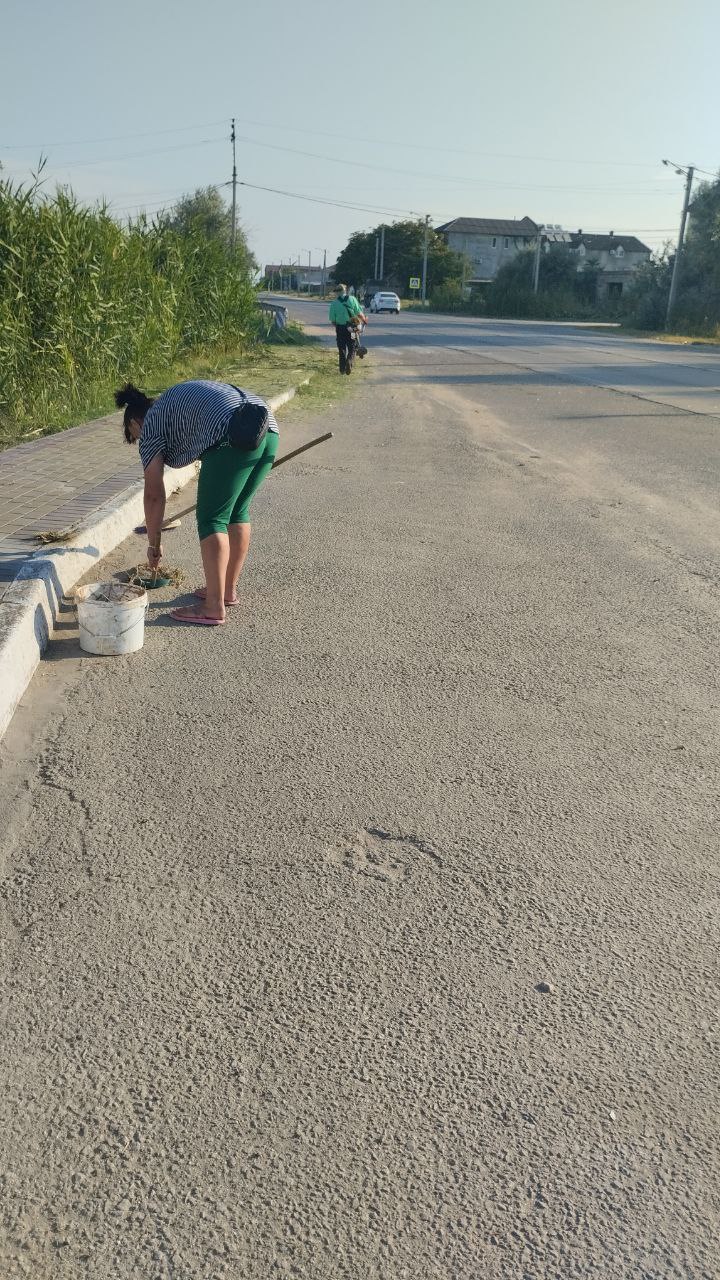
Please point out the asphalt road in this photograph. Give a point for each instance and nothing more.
(684, 377)
(375, 935)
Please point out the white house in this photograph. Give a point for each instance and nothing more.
(488, 243)
(618, 258)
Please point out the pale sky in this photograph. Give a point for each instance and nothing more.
(559, 109)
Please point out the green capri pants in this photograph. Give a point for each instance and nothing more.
(229, 479)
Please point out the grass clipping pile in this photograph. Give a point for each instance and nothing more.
(143, 576)
(49, 536)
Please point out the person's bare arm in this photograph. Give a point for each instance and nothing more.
(154, 498)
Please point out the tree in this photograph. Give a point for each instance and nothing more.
(586, 281)
(698, 299)
(646, 304)
(403, 256)
(702, 247)
(206, 213)
(517, 272)
(563, 290)
(357, 260)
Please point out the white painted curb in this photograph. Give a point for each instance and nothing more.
(29, 606)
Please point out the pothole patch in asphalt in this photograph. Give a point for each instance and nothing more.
(382, 855)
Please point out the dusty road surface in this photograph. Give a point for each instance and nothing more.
(375, 935)
(682, 376)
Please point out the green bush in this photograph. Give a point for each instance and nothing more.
(698, 310)
(85, 302)
(449, 297)
(564, 294)
(518, 303)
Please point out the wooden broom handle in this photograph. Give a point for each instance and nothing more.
(294, 452)
(277, 463)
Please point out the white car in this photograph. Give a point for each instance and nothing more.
(385, 302)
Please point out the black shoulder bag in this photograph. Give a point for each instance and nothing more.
(248, 425)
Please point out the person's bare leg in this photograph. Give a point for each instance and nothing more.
(239, 535)
(239, 539)
(215, 549)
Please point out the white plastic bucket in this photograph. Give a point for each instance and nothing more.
(111, 617)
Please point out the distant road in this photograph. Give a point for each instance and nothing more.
(684, 377)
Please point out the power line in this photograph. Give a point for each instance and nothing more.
(344, 204)
(461, 151)
(344, 137)
(118, 137)
(159, 191)
(387, 211)
(136, 155)
(423, 147)
(438, 178)
(359, 208)
(414, 173)
(137, 210)
(336, 204)
(151, 203)
(432, 188)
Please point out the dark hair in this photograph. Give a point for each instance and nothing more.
(136, 405)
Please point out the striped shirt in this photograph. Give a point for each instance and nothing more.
(190, 418)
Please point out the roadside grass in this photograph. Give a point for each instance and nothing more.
(265, 368)
(659, 335)
(325, 389)
(94, 403)
(276, 367)
(613, 328)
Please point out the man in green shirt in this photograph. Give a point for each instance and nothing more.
(345, 310)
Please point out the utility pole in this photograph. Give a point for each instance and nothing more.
(690, 173)
(233, 228)
(536, 264)
(425, 256)
(381, 276)
(324, 273)
(377, 256)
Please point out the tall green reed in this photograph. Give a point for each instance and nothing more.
(85, 302)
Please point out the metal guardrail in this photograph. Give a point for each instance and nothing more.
(278, 310)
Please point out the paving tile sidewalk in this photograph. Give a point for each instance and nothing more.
(58, 480)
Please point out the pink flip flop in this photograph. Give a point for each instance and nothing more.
(196, 619)
(229, 604)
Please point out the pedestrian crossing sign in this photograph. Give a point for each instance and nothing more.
(414, 282)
